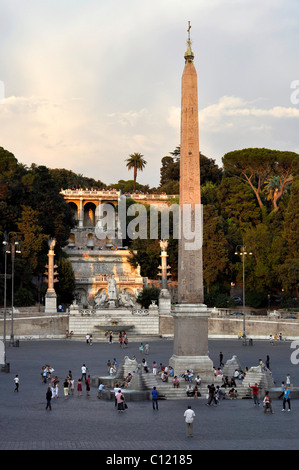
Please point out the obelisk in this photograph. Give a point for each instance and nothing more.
(190, 350)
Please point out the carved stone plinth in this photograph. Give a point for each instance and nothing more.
(50, 302)
(190, 348)
(164, 301)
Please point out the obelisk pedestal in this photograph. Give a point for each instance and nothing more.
(190, 348)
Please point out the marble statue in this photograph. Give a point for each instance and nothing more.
(100, 299)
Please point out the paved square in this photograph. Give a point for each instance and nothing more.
(87, 423)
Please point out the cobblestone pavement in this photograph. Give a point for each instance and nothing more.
(87, 423)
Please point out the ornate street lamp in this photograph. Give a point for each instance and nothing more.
(14, 248)
(243, 253)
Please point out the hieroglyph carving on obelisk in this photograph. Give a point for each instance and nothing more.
(190, 269)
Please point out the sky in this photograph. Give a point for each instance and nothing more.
(86, 83)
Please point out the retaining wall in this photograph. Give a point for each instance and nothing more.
(54, 325)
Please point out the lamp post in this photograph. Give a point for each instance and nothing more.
(243, 253)
(5, 243)
(14, 248)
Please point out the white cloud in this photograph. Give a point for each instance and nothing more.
(218, 116)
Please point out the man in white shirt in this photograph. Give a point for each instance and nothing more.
(17, 383)
(115, 390)
(189, 418)
(83, 372)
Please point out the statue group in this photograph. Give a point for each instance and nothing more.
(113, 298)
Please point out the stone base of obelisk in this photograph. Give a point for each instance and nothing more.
(190, 345)
(50, 302)
(164, 301)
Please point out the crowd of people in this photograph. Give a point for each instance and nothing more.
(68, 383)
(227, 389)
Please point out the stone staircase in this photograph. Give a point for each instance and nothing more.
(145, 381)
(166, 391)
(257, 374)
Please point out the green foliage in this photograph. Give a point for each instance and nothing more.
(215, 246)
(23, 298)
(256, 299)
(170, 172)
(257, 166)
(254, 201)
(67, 179)
(66, 286)
(219, 300)
(147, 295)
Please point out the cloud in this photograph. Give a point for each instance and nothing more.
(129, 118)
(219, 116)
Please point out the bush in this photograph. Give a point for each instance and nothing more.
(219, 300)
(256, 299)
(289, 302)
(23, 298)
(147, 295)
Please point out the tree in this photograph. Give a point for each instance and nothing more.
(238, 203)
(147, 295)
(256, 166)
(66, 286)
(215, 247)
(252, 165)
(33, 238)
(67, 179)
(55, 215)
(170, 172)
(283, 170)
(137, 163)
(289, 271)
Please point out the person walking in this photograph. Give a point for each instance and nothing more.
(120, 402)
(189, 418)
(255, 393)
(72, 386)
(83, 372)
(87, 385)
(221, 359)
(100, 390)
(48, 398)
(286, 399)
(282, 390)
(212, 395)
(155, 398)
(56, 387)
(79, 387)
(17, 383)
(66, 389)
(267, 403)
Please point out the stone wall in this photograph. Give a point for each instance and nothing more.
(55, 325)
(261, 327)
(37, 326)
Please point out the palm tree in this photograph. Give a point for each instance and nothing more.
(137, 163)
